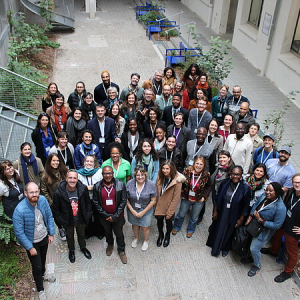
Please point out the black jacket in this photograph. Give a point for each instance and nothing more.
(62, 209)
(100, 94)
(176, 158)
(73, 99)
(124, 142)
(37, 140)
(168, 117)
(121, 199)
(147, 128)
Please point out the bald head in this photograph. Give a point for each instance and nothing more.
(244, 109)
(32, 193)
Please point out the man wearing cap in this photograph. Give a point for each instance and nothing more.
(262, 154)
(280, 170)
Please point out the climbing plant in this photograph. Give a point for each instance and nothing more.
(6, 230)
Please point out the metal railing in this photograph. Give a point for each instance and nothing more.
(20, 92)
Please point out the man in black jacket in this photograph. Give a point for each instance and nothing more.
(72, 207)
(109, 198)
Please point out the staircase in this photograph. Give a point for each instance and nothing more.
(62, 14)
(16, 127)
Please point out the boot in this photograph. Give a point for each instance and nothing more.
(167, 239)
(160, 239)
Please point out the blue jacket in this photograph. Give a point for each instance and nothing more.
(24, 220)
(79, 155)
(274, 214)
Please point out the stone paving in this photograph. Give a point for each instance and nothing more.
(185, 270)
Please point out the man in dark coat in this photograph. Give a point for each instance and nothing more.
(72, 207)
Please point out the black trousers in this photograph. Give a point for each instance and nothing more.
(95, 227)
(117, 229)
(38, 262)
(160, 223)
(80, 230)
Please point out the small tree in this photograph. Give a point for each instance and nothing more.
(274, 121)
(6, 230)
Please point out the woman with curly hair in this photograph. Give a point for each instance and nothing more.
(11, 188)
(146, 157)
(191, 76)
(169, 77)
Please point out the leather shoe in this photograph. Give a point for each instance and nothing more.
(123, 257)
(189, 234)
(224, 253)
(160, 239)
(72, 256)
(167, 240)
(267, 251)
(109, 250)
(174, 231)
(86, 253)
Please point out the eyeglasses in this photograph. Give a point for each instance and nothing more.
(33, 193)
(110, 173)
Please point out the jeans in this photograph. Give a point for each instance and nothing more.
(80, 230)
(38, 262)
(117, 228)
(195, 211)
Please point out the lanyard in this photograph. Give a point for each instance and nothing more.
(198, 123)
(195, 183)
(233, 193)
(176, 135)
(263, 206)
(292, 206)
(105, 90)
(116, 173)
(138, 194)
(153, 130)
(276, 173)
(238, 101)
(87, 179)
(65, 158)
(109, 190)
(156, 88)
(170, 155)
(262, 156)
(166, 101)
(165, 186)
(198, 150)
(16, 187)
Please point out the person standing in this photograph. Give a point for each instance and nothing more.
(133, 87)
(73, 209)
(76, 98)
(109, 199)
(34, 230)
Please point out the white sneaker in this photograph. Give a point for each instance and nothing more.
(42, 295)
(134, 243)
(62, 234)
(145, 246)
(49, 277)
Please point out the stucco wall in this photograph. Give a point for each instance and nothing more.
(200, 7)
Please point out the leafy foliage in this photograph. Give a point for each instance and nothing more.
(274, 122)
(6, 230)
(169, 33)
(150, 16)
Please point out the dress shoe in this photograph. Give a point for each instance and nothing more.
(167, 240)
(72, 256)
(160, 239)
(123, 257)
(189, 234)
(174, 232)
(224, 253)
(86, 253)
(109, 250)
(267, 251)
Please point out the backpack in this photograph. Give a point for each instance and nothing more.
(241, 242)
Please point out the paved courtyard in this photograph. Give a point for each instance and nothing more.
(115, 41)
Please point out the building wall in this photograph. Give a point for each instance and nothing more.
(201, 7)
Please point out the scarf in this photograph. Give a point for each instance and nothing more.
(169, 81)
(147, 163)
(131, 146)
(88, 148)
(202, 86)
(158, 145)
(222, 170)
(62, 113)
(254, 185)
(73, 125)
(193, 78)
(89, 108)
(25, 163)
(135, 90)
(88, 172)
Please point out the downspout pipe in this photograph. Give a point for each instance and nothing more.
(271, 37)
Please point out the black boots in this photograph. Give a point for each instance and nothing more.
(160, 239)
(167, 239)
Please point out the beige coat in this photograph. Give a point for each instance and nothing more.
(166, 203)
(50, 112)
(32, 177)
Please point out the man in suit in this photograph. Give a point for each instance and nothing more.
(100, 91)
(169, 111)
(182, 133)
(104, 129)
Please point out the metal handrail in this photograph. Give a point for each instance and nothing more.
(18, 111)
(16, 122)
(171, 16)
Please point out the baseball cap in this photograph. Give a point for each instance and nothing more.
(286, 149)
(270, 135)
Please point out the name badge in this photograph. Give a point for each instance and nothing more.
(137, 205)
(47, 149)
(109, 202)
(192, 193)
(21, 196)
(39, 228)
(289, 213)
(228, 205)
(219, 115)
(102, 140)
(196, 130)
(191, 162)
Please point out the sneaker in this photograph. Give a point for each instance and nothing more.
(109, 250)
(49, 277)
(174, 231)
(42, 295)
(62, 234)
(123, 257)
(282, 277)
(253, 271)
(145, 246)
(134, 243)
(267, 251)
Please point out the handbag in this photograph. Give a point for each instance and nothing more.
(254, 228)
(241, 241)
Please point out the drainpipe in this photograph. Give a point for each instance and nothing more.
(270, 39)
(210, 14)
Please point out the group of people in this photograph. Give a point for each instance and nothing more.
(155, 149)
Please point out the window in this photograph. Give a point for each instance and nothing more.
(296, 39)
(255, 12)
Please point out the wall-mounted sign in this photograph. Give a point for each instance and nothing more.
(267, 24)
